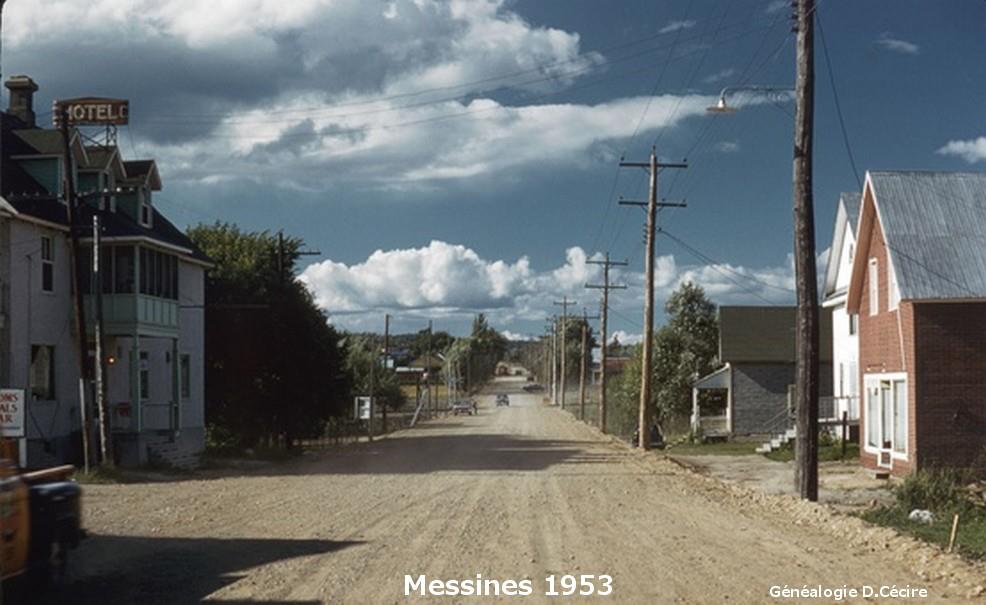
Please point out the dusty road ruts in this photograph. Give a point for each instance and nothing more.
(514, 493)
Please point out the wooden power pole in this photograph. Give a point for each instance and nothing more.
(586, 354)
(386, 360)
(75, 259)
(652, 205)
(806, 372)
(603, 334)
(563, 375)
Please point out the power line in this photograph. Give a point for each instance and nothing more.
(838, 105)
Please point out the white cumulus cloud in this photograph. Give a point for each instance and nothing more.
(972, 150)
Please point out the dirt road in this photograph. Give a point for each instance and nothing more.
(513, 493)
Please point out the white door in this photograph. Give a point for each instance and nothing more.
(886, 418)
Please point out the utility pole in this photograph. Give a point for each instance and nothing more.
(431, 401)
(604, 335)
(75, 258)
(97, 290)
(585, 360)
(652, 206)
(554, 360)
(564, 304)
(386, 360)
(806, 373)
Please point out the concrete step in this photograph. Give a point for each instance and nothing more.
(764, 449)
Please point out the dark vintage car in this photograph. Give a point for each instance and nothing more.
(463, 406)
(533, 388)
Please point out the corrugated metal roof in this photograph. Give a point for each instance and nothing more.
(766, 334)
(934, 224)
(851, 202)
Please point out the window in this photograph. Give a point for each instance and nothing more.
(43, 372)
(853, 324)
(124, 269)
(185, 376)
(47, 264)
(145, 385)
(893, 295)
(146, 214)
(886, 415)
(900, 417)
(873, 417)
(874, 279)
(158, 274)
(853, 383)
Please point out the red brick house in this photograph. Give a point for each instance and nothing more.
(918, 285)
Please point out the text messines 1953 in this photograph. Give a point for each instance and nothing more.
(554, 585)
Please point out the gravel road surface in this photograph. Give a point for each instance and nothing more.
(513, 493)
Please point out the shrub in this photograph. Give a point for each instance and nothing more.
(939, 490)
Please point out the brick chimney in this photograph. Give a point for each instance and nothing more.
(22, 89)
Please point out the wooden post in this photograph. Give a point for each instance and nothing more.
(386, 358)
(845, 432)
(644, 418)
(603, 333)
(75, 259)
(955, 528)
(648, 344)
(585, 339)
(806, 372)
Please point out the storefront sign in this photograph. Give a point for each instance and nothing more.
(11, 413)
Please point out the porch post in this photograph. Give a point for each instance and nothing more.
(175, 419)
(135, 383)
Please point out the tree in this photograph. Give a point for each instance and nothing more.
(685, 348)
(274, 367)
(362, 352)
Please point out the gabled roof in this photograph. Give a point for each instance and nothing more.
(846, 215)
(46, 141)
(752, 334)
(144, 172)
(934, 226)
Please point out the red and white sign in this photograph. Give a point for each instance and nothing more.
(11, 413)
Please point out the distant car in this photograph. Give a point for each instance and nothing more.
(502, 400)
(533, 388)
(463, 406)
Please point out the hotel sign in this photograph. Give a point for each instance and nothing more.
(93, 111)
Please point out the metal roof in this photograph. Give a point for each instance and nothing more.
(766, 334)
(934, 225)
(851, 202)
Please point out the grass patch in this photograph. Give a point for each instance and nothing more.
(715, 448)
(98, 475)
(826, 453)
(970, 541)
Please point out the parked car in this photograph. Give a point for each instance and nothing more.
(463, 406)
(502, 400)
(533, 388)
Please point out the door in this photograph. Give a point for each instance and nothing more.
(886, 418)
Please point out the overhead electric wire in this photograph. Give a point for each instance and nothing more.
(838, 105)
(318, 111)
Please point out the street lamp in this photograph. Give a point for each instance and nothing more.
(772, 92)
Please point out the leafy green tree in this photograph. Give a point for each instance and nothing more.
(274, 367)
(685, 348)
(361, 353)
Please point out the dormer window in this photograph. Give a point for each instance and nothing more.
(146, 213)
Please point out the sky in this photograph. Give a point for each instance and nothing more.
(452, 157)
